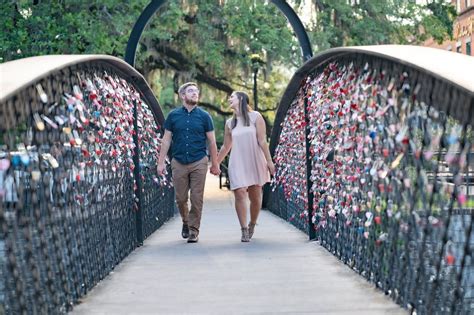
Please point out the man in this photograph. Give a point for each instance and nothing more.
(189, 127)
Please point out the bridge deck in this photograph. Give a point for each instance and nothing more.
(279, 271)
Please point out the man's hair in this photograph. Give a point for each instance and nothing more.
(183, 87)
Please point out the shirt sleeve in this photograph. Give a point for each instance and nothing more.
(208, 124)
(168, 124)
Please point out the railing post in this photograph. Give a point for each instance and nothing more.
(138, 179)
(309, 183)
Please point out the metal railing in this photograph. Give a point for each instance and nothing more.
(224, 175)
(374, 154)
(79, 139)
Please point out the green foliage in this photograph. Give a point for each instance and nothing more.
(215, 40)
(212, 41)
(440, 20)
(363, 22)
(66, 27)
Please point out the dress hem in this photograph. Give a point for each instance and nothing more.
(242, 186)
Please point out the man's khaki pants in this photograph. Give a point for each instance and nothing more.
(190, 177)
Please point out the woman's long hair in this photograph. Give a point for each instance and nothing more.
(244, 109)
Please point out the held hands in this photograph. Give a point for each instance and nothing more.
(215, 169)
(161, 169)
(271, 167)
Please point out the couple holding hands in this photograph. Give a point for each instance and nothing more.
(189, 128)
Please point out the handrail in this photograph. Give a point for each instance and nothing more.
(18, 74)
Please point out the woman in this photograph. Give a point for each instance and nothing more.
(250, 161)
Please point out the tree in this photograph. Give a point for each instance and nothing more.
(31, 28)
(211, 41)
(369, 22)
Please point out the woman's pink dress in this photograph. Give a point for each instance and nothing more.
(247, 164)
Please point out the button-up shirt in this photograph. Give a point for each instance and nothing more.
(189, 133)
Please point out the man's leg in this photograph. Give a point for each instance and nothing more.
(197, 181)
(181, 188)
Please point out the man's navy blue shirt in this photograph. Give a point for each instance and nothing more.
(189, 133)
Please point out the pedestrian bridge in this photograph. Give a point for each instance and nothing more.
(373, 148)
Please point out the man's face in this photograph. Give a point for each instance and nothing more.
(191, 95)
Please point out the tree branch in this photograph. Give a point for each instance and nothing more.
(209, 106)
(215, 108)
(179, 62)
(267, 110)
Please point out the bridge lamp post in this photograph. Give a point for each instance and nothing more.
(257, 61)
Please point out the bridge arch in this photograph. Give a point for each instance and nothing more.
(154, 5)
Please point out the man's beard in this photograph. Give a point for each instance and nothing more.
(191, 102)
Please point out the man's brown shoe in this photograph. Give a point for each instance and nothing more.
(193, 238)
(185, 231)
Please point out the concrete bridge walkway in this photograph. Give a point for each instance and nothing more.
(278, 272)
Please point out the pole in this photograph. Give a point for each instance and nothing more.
(255, 96)
(309, 182)
(137, 175)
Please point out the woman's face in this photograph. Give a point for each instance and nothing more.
(234, 102)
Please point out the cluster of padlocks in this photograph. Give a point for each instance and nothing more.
(68, 186)
(290, 159)
(95, 119)
(389, 175)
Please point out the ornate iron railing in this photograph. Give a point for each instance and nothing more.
(381, 141)
(79, 139)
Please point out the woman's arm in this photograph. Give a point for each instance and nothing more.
(226, 146)
(262, 142)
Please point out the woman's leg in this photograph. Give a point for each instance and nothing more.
(255, 196)
(240, 195)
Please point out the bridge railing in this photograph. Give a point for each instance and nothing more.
(374, 155)
(79, 140)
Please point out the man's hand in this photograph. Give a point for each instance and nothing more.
(215, 170)
(161, 169)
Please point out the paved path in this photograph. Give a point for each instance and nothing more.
(278, 272)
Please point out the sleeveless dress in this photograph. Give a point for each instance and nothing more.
(247, 164)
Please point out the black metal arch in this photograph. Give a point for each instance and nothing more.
(154, 5)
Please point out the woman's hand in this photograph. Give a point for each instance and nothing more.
(271, 167)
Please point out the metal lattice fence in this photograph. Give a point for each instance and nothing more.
(71, 207)
(390, 178)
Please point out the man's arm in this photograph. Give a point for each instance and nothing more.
(211, 138)
(165, 146)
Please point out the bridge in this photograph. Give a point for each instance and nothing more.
(373, 149)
